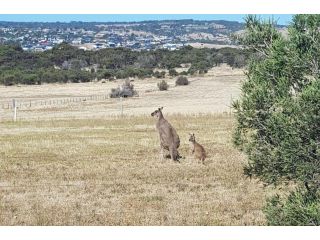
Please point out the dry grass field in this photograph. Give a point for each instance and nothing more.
(83, 164)
(211, 93)
(108, 172)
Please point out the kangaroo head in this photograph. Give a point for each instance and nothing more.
(192, 138)
(157, 113)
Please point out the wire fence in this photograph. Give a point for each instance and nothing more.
(28, 104)
(60, 108)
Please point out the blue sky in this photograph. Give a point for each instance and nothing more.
(281, 18)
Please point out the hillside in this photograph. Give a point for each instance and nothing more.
(145, 35)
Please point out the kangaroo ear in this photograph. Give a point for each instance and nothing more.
(192, 134)
(160, 108)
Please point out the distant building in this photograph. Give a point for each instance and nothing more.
(111, 44)
(38, 49)
(76, 41)
(169, 46)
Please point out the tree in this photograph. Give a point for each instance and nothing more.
(59, 63)
(173, 72)
(158, 74)
(146, 61)
(278, 115)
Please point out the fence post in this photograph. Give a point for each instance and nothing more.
(231, 100)
(14, 104)
(121, 106)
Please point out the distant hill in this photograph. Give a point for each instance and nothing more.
(144, 35)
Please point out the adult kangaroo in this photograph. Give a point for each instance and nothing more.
(169, 139)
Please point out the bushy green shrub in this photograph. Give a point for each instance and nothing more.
(182, 81)
(158, 74)
(173, 72)
(125, 90)
(278, 115)
(300, 208)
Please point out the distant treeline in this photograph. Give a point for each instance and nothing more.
(65, 63)
(180, 27)
(150, 25)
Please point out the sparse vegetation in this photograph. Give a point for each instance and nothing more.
(223, 85)
(125, 90)
(182, 81)
(163, 85)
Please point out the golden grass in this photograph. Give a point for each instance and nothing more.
(209, 93)
(108, 172)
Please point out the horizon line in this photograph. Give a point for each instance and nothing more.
(281, 19)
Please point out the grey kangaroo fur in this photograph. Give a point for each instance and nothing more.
(197, 149)
(169, 139)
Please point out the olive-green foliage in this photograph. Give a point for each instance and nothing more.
(173, 72)
(182, 80)
(300, 208)
(183, 73)
(158, 74)
(278, 114)
(67, 63)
